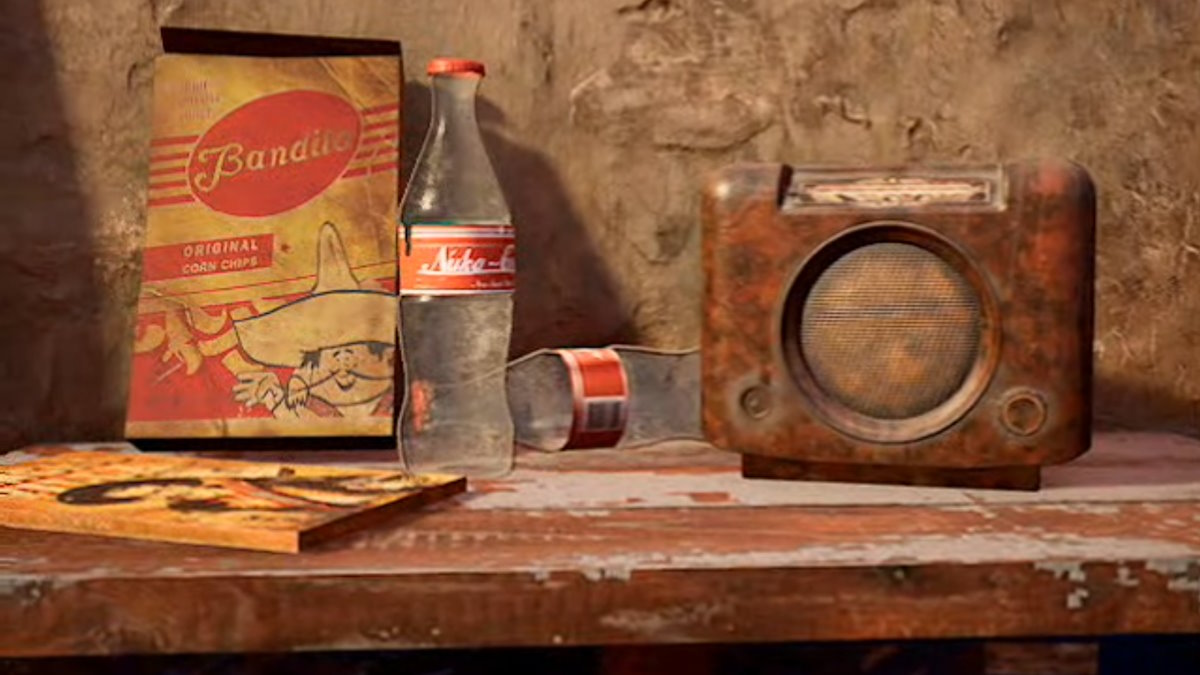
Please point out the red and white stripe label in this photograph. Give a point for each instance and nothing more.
(600, 392)
(168, 171)
(458, 259)
(379, 147)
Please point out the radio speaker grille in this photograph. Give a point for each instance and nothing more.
(890, 330)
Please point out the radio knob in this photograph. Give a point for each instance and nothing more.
(1023, 412)
(756, 401)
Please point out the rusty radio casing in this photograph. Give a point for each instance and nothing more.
(926, 326)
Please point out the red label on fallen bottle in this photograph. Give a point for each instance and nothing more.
(600, 392)
(458, 259)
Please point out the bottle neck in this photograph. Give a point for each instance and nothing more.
(453, 180)
(454, 105)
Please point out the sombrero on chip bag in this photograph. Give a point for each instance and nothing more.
(338, 312)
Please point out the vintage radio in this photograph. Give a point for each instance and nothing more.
(927, 326)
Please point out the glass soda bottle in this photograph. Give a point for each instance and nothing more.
(457, 275)
(618, 396)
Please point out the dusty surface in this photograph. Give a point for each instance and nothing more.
(604, 116)
(1121, 468)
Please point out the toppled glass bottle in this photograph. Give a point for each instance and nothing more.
(618, 396)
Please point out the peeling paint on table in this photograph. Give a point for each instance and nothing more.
(654, 546)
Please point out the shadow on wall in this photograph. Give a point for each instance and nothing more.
(1125, 406)
(566, 295)
(51, 356)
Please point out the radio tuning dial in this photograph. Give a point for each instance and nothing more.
(1023, 412)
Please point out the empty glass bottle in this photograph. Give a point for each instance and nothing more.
(457, 274)
(619, 396)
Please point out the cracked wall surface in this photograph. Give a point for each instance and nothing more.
(604, 117)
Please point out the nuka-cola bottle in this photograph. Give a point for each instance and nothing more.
(618, 396)
(457, 275)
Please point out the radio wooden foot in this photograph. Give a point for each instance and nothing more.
(1002, 478)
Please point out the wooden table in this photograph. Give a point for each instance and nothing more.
(651, 546)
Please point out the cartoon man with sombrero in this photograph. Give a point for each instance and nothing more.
(339, 342)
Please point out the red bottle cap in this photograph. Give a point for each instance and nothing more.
(447, 66)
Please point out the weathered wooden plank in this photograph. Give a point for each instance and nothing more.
(572, 558)
(373, 611)
(458, 577)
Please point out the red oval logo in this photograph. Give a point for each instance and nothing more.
(274, 153)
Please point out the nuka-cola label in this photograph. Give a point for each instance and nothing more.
(600, 395)
(442, 259)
